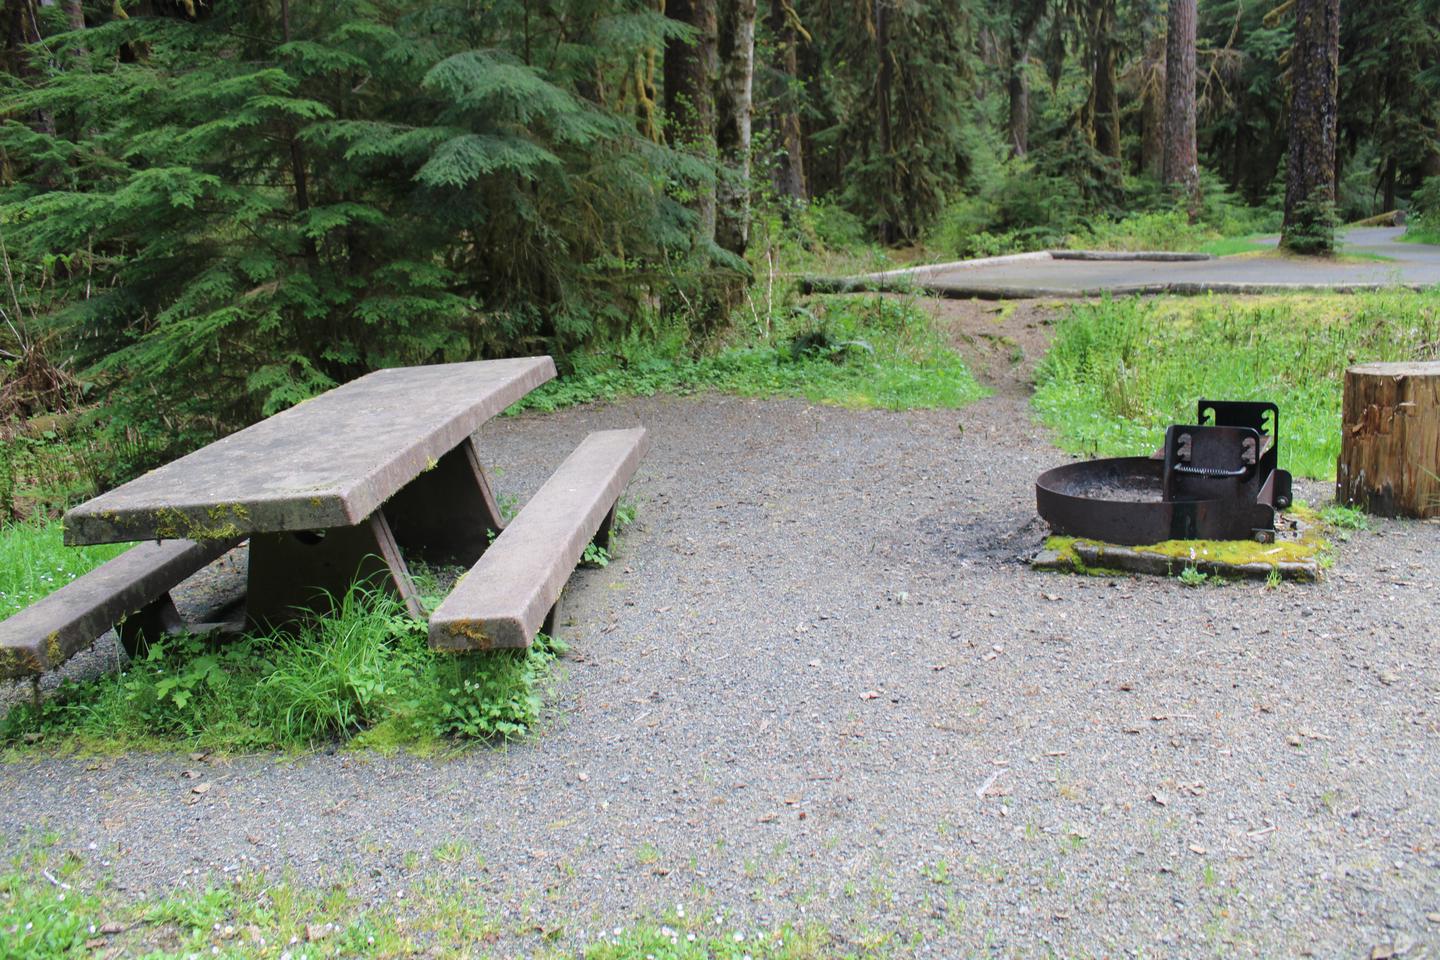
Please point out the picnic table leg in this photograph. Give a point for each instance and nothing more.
(449, 511)
(292, 574)
(156, 619)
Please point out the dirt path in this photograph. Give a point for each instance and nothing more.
(817, 685)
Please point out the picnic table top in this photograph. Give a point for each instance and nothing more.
(327, 462)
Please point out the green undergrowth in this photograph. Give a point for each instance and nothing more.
(1421, 233)
(1120, 371)
(1230, 246)
(364, 674)
(872, 351)
(35, 561)
(53, 908)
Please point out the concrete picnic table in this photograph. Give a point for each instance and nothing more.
(307, 486)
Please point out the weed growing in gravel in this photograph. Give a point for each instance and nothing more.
(34, 561)
(1192, 577)
(1120, 371)
(1342, 517)
(854, 351)
(365, 671)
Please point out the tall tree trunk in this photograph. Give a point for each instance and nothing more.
(1024, 19)
(1310, 177)
(22, 28)
(690, 70)
(1019, 89)
(1152, 109)
(790, 168)
(884, 81)
(74, 13)
(733, 100)
(1104, 91)
(1182, 169)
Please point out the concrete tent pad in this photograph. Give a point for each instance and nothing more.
(1093, 274)
(328, 462)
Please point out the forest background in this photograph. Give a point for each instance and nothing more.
(213, 210)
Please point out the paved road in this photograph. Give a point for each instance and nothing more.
(1411, 264)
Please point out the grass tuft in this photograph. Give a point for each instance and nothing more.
(34, 561)
(874, 351)
(1120, 371)
(366, 669)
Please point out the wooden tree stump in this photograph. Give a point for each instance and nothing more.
(1390, 447)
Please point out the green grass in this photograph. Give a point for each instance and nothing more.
(1229, 246)
(1120, 371)
(34, 561)
(854, 351)
(1417, 233)
(364, 673)
(52, 908)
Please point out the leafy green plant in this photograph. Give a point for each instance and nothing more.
(595, 556)
(1191, 576)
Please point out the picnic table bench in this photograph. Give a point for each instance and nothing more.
(333, 492)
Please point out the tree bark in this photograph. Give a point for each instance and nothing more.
(1310, 177)
(690, 70)
(22, 28)
(790, 168)
(1019, 90)
(1390, 444)
(1152, 109)
(733, 101)
(1105, 96)
(1182, 168)
(884, 81)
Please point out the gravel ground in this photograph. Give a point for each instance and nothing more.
(816, 685)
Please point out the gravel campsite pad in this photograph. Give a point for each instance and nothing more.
(818, 684)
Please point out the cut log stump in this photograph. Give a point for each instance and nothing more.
(1390, 448)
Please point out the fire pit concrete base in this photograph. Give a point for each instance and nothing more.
(1088, 556)
(1301, 543)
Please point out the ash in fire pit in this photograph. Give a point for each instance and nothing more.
(1215, 480)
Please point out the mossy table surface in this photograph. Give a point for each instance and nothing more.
(328, 462)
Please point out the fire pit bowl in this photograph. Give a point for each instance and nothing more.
(1213, 481)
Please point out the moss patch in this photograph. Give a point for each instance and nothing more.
(1311, 546)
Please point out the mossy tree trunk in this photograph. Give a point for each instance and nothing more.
(1105, 94)
(1024, 19)
(1310, 177)
(789, 174)
(734, 98)
(690, 69)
